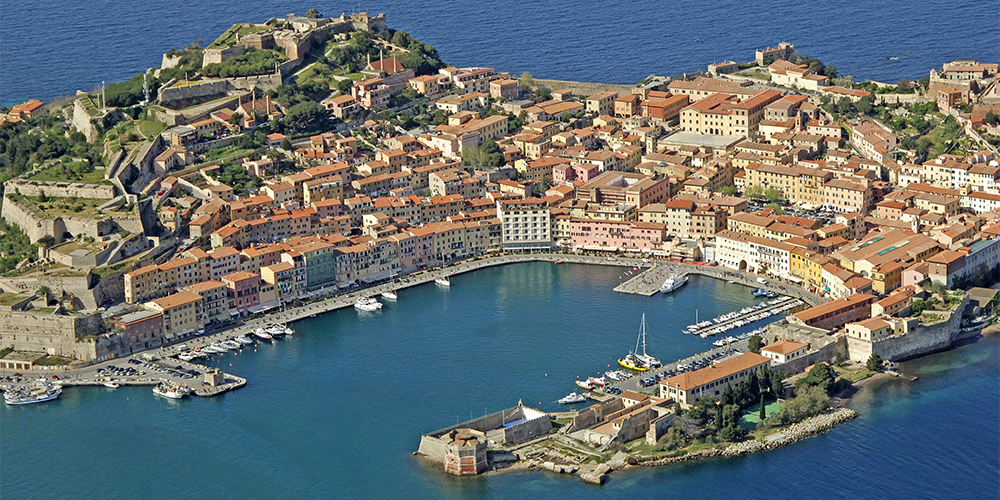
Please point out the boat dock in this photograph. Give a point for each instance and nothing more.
(645, 282)
(746, 318)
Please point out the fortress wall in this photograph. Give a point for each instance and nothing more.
(61, 189)
(583, 88)
(51, 333)
(34, 223)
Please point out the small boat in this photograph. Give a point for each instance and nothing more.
(186, 356)
(261, 334)
(389, 294)
(674, 282)
(617, 375)
(171, 390)
(111, 385)
(367, 304)
(572, 398)
(560, 262)
(585, 384)
(213, 349)
(275, 330)
(759, 292)
(219, 347)
(229, 344)
(243, 339)
(288, 330)
(598, 381)
(443, 281)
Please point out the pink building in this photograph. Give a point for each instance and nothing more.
(244, 291)
(594, 234)
(586, 171)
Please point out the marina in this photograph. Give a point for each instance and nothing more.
(743, 317)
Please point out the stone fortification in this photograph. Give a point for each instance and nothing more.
(218, 55)
(924, 339)
(72, 336)
(583, 88)
(533, 423)
(169, 94)
(38, 224)
(60, 189)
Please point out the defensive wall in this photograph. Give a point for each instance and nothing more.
(584, 88)
(901, 99)
(72, 336)
(432, 445)
(169, 93)
(28, 187)
(38, 224)
(924, 339)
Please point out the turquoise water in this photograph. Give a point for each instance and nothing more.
(336, 411)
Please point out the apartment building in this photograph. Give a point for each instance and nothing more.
(526, 224)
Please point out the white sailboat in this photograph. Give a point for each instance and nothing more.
(636, 361)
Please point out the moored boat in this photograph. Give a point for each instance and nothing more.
(39, 392)
(367, 304)
(674, 282)
(598, 381)
(640, 362)
(572, 398)
(586, 384)
(231, 345)
(171, 390)
(389, 294)
(261, 334)
(111, 385)
(243, 339)
(443, 281)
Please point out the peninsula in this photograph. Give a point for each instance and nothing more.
(310, 163)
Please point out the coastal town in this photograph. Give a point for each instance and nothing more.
(309, 163)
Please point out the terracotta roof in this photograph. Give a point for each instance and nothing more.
(697, 378)
(783, 346)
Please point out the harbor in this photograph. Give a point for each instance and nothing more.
(744, 317)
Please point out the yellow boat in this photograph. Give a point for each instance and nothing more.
(632, 363)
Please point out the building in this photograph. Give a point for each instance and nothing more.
(601, 103)
(505, 88)
(215, 300)
(142, 329)
(836, 313)
(711, 381)
(783, 51)
(784, 351)
(182, 314)
(243, 291)
(526, 224)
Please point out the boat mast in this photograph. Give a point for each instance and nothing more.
(643, 334)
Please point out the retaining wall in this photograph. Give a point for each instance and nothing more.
(584, 88)
(53, 334)
(61, 189)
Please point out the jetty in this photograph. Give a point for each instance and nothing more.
(751, 315)
(645, 282)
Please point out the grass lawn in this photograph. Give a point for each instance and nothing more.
(219, 153)
(53, 174)
(53, 361)
(83, 207)
(151, 129)
(751, 418)
(9, 299)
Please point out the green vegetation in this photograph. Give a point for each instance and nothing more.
(15, 246)
(38, 140)
(70, 171)
(823, 376)
(305, 116)
(238, 178)
(874, 363)
(53, 361)
(5, 351)
(810, 403)
(487, 155)
(815, 65)
(228, 37)
(755, 343)
(254, 62)
(71, 206)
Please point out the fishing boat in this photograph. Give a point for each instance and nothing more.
(111, 385)
(443, 281)
(572, 398)
(367, 304)
(243, 339)
(674, 282)
(39, 392)
(598, 381)
(171, 390)
(636, 361)
(261, 334)
(586, 384)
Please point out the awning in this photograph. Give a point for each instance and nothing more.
(169, 336)
(234, 313)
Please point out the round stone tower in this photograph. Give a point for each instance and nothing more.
(465, 452)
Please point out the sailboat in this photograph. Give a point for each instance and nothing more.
(636, 361)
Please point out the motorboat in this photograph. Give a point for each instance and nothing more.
(598, 381)
(759, 292)
(443, 281)
(367, 304)
(213, 349)
(616, 375)
(261, 334)
(275, 330)
(39, 392)
(674, 282)
(389, 294)
(560, 262)
(186, 356)
(171, 390)
(573, 398)
(636, 361)
(219, 347)
(243, 339)
(586, 384)
(231, 345)
(111, 385)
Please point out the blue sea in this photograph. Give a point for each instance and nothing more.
(336, 410)
(51, 48)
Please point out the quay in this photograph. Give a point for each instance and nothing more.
(646, 282)
(784, 301)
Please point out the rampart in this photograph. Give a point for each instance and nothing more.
(27, 187)
(922, 340)
(217, 56)
(494, 425)
(72, 336)
(169, 93)
(901, 99)
(583, 88)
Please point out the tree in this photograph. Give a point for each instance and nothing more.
(838, 359)
(344, 86)
(772, 194)
(821, 375)
(305, 115)
(925, 81)
(754, 344)
(728, 190)
(864, 105)
(763, 409)
(844, 105)
(918, 306)
(904, 85)
(286, 144)
(527, 81)
(755, 191)
(991, 118)
(874, 362)
(313, 14)
(44, 290)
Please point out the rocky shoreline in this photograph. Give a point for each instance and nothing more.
(801, 430)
